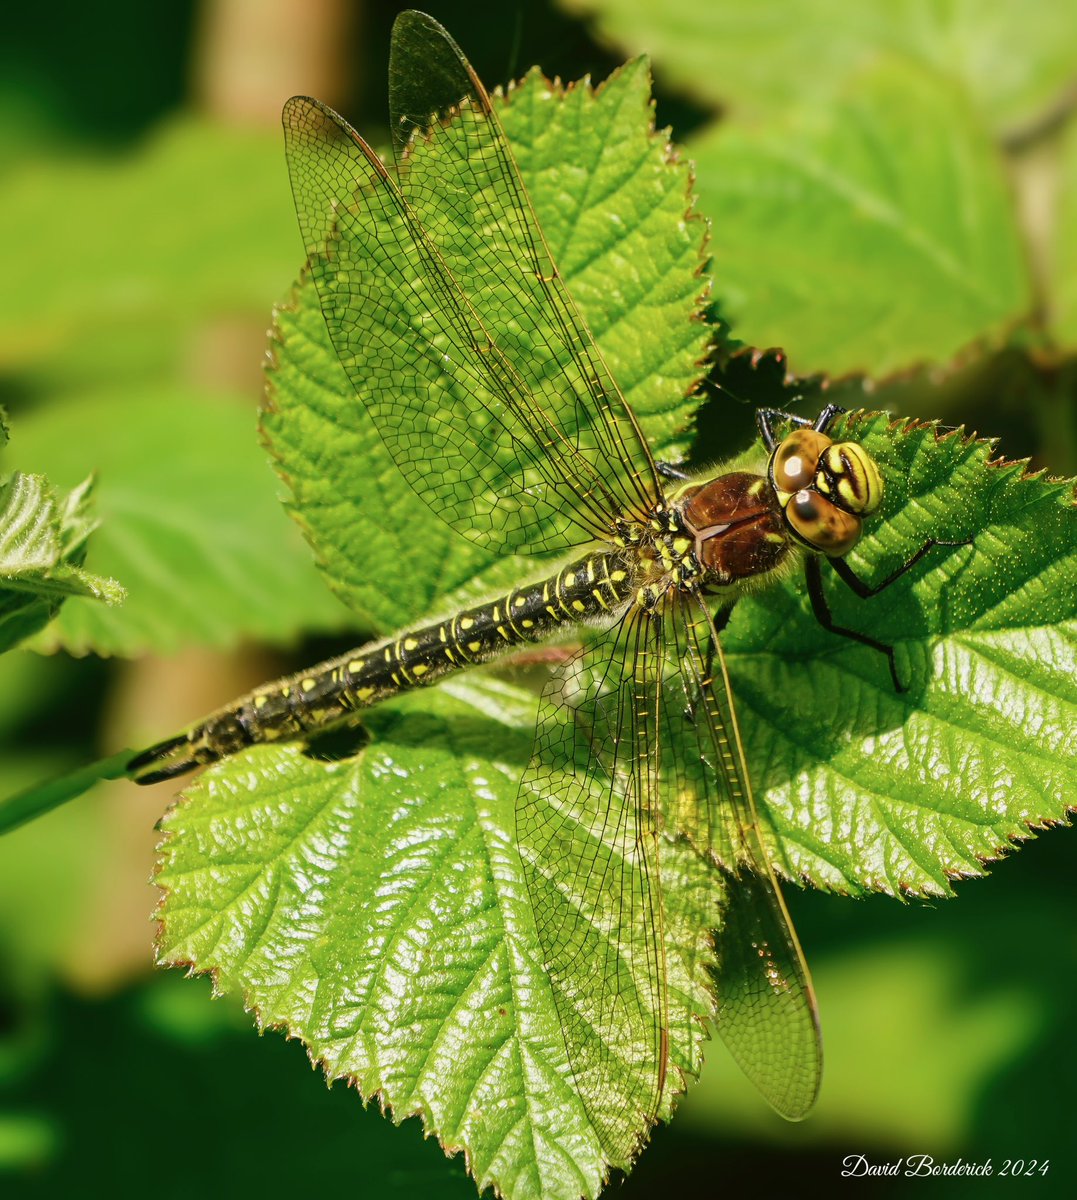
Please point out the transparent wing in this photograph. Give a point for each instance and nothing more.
(766, 1006)
(589, 847)
(451, 321)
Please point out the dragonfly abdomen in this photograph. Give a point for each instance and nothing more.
(594, 587)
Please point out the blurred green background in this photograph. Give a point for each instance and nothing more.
(893, 192)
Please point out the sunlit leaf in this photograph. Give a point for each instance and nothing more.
(871, 237)
(612, 200)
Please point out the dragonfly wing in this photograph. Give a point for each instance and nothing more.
(451, 323)
(766, 1008)
(590, 854)
(458, 172)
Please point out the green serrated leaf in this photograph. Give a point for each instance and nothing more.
(763, 58)
(42, 544)
(393, 934)
(614, 204)
(830, 240)
(901, 793)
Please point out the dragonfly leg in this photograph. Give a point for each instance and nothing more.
(865, 591)
(721, 620)
(766, 418)
(821, 608)
(670, 471)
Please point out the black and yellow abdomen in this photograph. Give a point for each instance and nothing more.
(594, 588)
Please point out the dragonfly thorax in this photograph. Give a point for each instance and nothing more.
(735, 526)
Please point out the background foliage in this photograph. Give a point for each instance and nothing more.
(908, 204)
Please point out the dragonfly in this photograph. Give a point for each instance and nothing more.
(457, 333)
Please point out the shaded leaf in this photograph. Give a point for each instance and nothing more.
(829, 241)
(763, 58)
(201, 544)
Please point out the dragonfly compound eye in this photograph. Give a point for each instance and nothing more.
(823, 526)
(795, 461)
(849, 476)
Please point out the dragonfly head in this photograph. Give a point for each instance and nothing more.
(825, 489)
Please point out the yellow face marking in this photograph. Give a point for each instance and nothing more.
(474, 647)
(411, 644)
(466, 622)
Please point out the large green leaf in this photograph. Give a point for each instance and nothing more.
(376, 908)
(870, 237)
(614, 204)
(902, 792)
(762, 58)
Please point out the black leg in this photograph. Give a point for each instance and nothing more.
(765, 419)
(669, 471)
(866, 591)
(821, 609)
